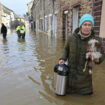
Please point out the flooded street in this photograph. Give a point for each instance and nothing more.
(26, 73)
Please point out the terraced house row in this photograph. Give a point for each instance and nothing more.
(61, 17)
(9, 17)
(6, 15)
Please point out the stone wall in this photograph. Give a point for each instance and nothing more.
(44, 11)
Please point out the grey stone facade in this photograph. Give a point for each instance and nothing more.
(44, 14)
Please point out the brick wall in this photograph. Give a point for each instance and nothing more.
(103, 43)
(85, 6)
(97, 8)
(97, 12)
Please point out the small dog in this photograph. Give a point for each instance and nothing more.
(93, 52)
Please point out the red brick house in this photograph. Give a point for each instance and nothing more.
(72, 10)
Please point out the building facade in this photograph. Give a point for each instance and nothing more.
(45, 15)
(6, 15)
(61, 17)
(72, 10)
(10, 18)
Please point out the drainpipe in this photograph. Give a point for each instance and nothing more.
(43, 15)
(53, 18)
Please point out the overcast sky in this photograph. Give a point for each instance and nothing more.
(18, 6)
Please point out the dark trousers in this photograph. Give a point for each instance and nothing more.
(21, 35)
(4, 35)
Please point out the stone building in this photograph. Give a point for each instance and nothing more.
(61, 17)
(72, 10)
(45, 15)
(0, 12)
(6, 15)
(30, 18)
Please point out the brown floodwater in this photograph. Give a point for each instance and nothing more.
(26, 73)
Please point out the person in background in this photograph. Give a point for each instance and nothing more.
(21, 31)
(4, 31)
(75, 49)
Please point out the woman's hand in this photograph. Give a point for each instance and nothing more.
(61, 61)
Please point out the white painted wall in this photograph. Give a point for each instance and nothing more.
(102, 26)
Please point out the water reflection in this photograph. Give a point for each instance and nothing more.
(26, 72)
(21, 40)
(31, 78)
(49, 54)
(4, 41)
(50, 51)
(5, 47)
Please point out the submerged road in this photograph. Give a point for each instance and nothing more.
(26, 73)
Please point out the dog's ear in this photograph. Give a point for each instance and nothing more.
(97, 44)
(89, 46)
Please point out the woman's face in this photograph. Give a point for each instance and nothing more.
(86, 28)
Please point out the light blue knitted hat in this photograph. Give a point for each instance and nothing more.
(86, 17)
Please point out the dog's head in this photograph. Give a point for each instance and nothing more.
(93, 45)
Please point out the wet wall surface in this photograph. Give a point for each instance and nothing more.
(26, 73)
